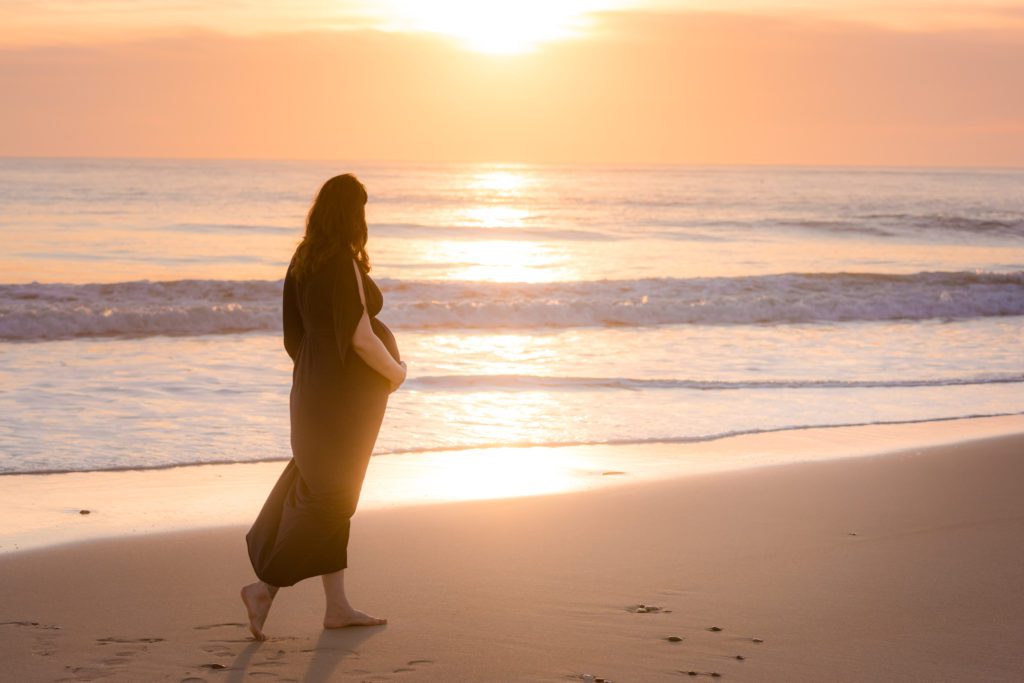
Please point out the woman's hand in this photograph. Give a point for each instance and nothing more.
(397, 381)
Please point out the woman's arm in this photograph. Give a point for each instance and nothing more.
(370, 348)
(292, 321)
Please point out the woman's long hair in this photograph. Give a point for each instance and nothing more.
(336, 223)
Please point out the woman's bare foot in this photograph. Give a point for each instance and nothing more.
(340, 618)
(258, 599)
(338, 613)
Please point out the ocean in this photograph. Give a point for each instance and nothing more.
(535, 305)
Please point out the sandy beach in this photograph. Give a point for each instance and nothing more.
(903, 566)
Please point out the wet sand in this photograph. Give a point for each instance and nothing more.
(904, 566)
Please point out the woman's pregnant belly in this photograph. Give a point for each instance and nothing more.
(384, 334)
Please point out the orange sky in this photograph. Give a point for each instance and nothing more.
(916, 83)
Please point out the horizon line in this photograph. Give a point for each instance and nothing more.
(509, 163)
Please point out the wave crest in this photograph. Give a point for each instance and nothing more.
(30, 312)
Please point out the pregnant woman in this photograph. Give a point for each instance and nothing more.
(346, 364)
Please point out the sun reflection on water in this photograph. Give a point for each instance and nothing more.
(500, 260)
(491, 354)
(496, 199)
(504, 182)
(493, 216)
(497, 237)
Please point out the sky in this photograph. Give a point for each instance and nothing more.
(844, 82)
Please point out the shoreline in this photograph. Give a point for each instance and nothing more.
(426, 452)
(44, 510)
(904, 565)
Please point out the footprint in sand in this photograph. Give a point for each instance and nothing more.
(87, 673)
(31, 624)
(230, 624)
(411, 665)
(129, 647)
(115, 661)
(43, 636)
(269, 662)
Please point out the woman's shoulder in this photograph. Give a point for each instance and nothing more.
(339, 258)
(349, 263)
(342, 268)
(330, 263)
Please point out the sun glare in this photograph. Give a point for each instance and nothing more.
(494, 216)
(498, 260)
(500, 27)
(508, 183)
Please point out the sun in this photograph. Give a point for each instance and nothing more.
(500, 27)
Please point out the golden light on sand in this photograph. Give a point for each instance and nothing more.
(500, 473)
(499, 27)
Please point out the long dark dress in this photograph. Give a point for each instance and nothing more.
(337, 405)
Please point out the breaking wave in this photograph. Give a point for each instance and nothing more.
(30, 312)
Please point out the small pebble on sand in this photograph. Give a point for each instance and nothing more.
(84, 512)
(715, 628)
(674, 639)
(644, 609)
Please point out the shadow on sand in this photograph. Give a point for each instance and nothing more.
(333, 646)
